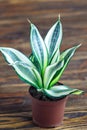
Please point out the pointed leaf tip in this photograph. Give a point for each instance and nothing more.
(29, 21)
(53, 39)
(59, 91)
(78, 92)
(79, 45)
(59, 17)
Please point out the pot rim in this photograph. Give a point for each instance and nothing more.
(44, 102)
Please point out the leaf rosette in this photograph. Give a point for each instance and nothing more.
(44, 67)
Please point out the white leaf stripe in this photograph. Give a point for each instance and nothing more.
(12, 55)
(50, 72)
(61, 91)
(53, 38)
(38, 47)
(38, 77)
(47, 39)
(55, 57)
(66, 56)
(35, 62)
(26, 73)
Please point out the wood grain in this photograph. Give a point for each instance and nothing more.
(15, 105)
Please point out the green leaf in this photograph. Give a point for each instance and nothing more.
(61, 91)
(66, 56)
(35, 62)
(38, 78)
(38, 47)
(32, 58)
(78, 92)
(12, 55)
(27, 74)
(55, 57)
(50, 72)
(53, 38)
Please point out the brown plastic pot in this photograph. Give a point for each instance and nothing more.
(48, 113)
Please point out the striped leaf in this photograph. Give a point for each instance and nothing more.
(12, 55)
(55, 57)
(51, 70)
(66, 56)
(35, 62)
(28, 74)
(53, 38)
(61, 91)
(38, 47)
(38, 78)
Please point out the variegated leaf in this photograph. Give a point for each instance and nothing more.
(35, 62)
(38, 78)
(12, 55)
(66, 56)
(27, 74)
(53, 38)
(61, 91)
(55, 57)
(50, 72)
(38, 47)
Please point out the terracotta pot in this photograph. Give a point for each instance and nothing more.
(48, 113)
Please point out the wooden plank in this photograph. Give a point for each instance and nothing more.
(15, 105)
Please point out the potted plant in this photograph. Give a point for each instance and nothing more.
(42, 70)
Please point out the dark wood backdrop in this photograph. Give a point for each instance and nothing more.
(15, 105)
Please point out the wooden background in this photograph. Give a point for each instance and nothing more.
(15, 105)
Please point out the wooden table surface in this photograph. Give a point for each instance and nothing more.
(15, 105)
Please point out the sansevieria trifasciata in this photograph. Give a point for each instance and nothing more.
(46, 64)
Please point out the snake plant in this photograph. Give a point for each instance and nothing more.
(46, 64)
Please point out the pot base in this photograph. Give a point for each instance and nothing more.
(47, 126)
